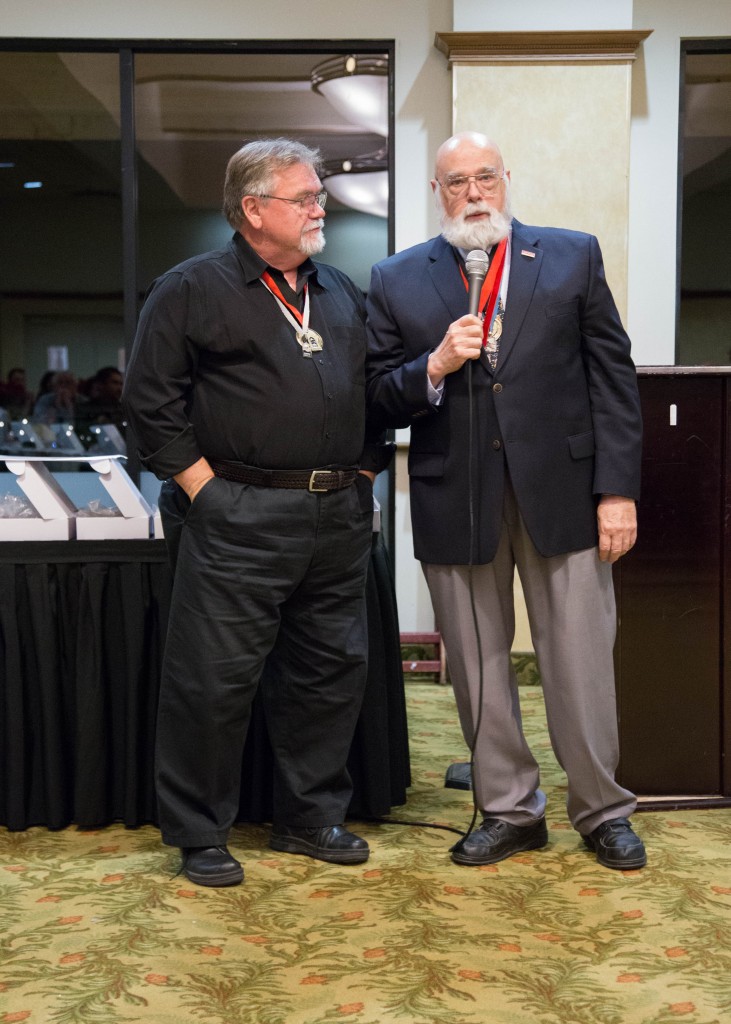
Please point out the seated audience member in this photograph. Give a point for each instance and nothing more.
(61, 403)
(104, 394)
(14, 396)
(45, 385)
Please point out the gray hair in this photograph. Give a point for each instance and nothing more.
(251, 169)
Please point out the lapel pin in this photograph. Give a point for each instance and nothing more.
(528, 253)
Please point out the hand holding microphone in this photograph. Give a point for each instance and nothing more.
(463, 340)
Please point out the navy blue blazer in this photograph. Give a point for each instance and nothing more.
(560, 412)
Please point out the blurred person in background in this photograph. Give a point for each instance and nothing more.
(104, 394)
(61, 403)
(14, 395)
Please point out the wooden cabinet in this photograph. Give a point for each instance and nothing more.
(673, 651)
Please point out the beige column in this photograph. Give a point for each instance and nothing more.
(558, 105)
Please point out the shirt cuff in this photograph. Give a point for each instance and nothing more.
(434, 394)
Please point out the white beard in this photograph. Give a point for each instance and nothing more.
(312, 241)
(480, 234)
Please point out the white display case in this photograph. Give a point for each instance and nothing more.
(58, 518)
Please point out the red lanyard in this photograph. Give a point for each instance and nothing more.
(490, 287)
(277, 292)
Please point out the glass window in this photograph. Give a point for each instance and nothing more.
(86, 229)
(704, 328)
(60, 209)
(194, 110)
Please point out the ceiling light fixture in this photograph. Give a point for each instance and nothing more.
(357, 87)
(360, 182)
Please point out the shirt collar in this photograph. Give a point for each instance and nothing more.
(254, 266)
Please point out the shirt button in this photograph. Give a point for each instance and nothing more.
(497, 388)
(496, 445)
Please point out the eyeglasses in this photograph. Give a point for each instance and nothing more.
(458, 184)
(308, 202)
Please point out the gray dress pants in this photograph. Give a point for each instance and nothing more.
(571, 610)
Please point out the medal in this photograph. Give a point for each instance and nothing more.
(310, 341)
(495, 331)
(307, 339)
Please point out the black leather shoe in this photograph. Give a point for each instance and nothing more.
(333, 843)
(616, 845)
(211, 865)
(495, 840)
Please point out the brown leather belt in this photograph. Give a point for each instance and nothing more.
(316, 480)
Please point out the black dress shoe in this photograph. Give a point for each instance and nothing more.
(333, 843)
(495, 840)
(211, 865)
(616, 845)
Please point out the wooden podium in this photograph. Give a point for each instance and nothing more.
(673, 651)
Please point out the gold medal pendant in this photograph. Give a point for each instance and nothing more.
(495, 331)
(492, 342)
(310, 341)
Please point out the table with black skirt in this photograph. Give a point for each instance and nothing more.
(82, 632)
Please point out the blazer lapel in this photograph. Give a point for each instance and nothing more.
(447, 279)
(525, 265)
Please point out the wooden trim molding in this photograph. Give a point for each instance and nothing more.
(606, 47)
(684, 371)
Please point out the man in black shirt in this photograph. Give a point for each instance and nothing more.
(246, 388)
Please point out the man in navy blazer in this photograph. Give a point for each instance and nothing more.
(525, 452)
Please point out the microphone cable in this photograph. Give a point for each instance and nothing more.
(482, 256)
(478, 639)
(381, 820)
(479, 257)
(473, 606)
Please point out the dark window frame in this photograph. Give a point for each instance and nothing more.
(688, 47)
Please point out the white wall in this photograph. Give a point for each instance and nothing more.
(541, 16)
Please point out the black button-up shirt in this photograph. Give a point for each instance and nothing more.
(216, 370)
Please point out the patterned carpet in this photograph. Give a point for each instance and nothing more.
(98, 929)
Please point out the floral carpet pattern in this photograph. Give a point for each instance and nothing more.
(97, 927)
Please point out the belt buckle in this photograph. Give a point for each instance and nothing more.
(311, 486)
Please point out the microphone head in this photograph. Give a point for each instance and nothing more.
(477, 262)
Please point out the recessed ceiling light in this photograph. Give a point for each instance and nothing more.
(7, 163)
(32, 184)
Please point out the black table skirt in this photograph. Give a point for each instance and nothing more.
(82, 627)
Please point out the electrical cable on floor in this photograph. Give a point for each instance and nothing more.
(403, 821)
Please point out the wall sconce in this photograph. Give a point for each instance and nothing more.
(357, 87)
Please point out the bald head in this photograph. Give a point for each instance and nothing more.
(467, 147)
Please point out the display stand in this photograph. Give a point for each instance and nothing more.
(57, 517)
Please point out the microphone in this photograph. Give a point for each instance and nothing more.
(476, 265)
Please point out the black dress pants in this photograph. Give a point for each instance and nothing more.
(262, 574)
